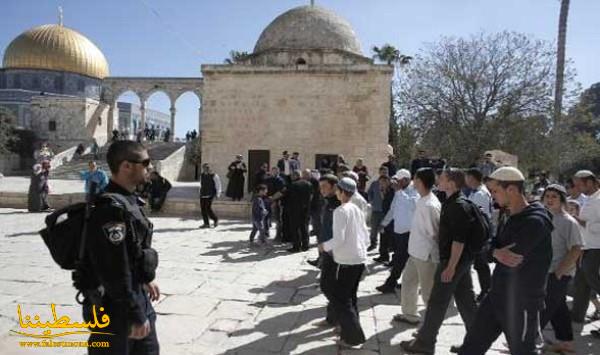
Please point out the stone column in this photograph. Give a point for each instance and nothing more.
(173, 111)
(199, 119)
(143, 118)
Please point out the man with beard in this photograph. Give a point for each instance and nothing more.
(120, 263)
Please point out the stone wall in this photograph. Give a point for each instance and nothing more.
(10, 163)
(316, 110)
(76, 119)
(171, 167)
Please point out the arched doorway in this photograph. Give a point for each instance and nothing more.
(188, 106)
(158, 117)
(128, 105)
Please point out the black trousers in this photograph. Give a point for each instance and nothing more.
(315, 220)
(327, 284)
(399, 259)
(385, 244)
(484, 273)
(207, 211)
(461, 287)
(298, 229)
(120, 343)
(587, 280)
(347, 278)
(521, 327)
(556, 311)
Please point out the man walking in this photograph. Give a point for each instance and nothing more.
(482, 198)
(588, 278)
(210, 187)
(422, 248)
(401, 211)
(453, 275)
(523, 252)
(327, 184)
(375, 199)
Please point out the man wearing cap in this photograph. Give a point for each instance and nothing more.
(349, 249)
(358, 199)
(401, 212)
(523, 254)
(587, 277)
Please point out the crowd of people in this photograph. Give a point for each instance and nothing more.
(432, 225)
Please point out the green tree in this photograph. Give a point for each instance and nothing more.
(468, 95)
(8, 138)
(390, 55)
(236, 57)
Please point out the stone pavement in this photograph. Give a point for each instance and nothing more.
(218, 295)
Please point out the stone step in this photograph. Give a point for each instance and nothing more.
(70, 171)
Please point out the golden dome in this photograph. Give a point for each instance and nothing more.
(55, 47)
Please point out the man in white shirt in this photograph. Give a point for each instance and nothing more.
(349, 248)
(401, 211)
(588, 277)
(422, 248)
(481, 197)
(358, 199)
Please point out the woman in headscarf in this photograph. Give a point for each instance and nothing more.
(34, 196)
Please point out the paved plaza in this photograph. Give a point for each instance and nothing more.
(218, 295)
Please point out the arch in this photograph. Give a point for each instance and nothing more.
(300, 61)
(126, 118)
(158, 105)
(146, 87)
(188, 113)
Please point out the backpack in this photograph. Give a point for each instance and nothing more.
(481, 229)
(65, 230)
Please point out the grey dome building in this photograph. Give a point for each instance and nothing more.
(308, 27)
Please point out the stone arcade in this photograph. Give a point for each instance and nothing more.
(306, 87)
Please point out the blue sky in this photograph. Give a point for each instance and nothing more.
(174, 37)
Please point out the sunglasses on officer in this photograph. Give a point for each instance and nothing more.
(144, 162)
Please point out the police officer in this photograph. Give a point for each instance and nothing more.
(119, 258)
(523, 253)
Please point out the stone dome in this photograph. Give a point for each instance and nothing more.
(308, 27)
(55, 47)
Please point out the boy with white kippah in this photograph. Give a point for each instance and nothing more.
(349, 248)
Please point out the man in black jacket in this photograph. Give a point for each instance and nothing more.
(210, 188)
(121, 260)
(523, 251)
(327, 185)
(453, 275)
(297, 205)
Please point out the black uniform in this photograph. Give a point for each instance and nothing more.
(120, 260)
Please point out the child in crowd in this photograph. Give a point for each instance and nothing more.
(259, 215)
